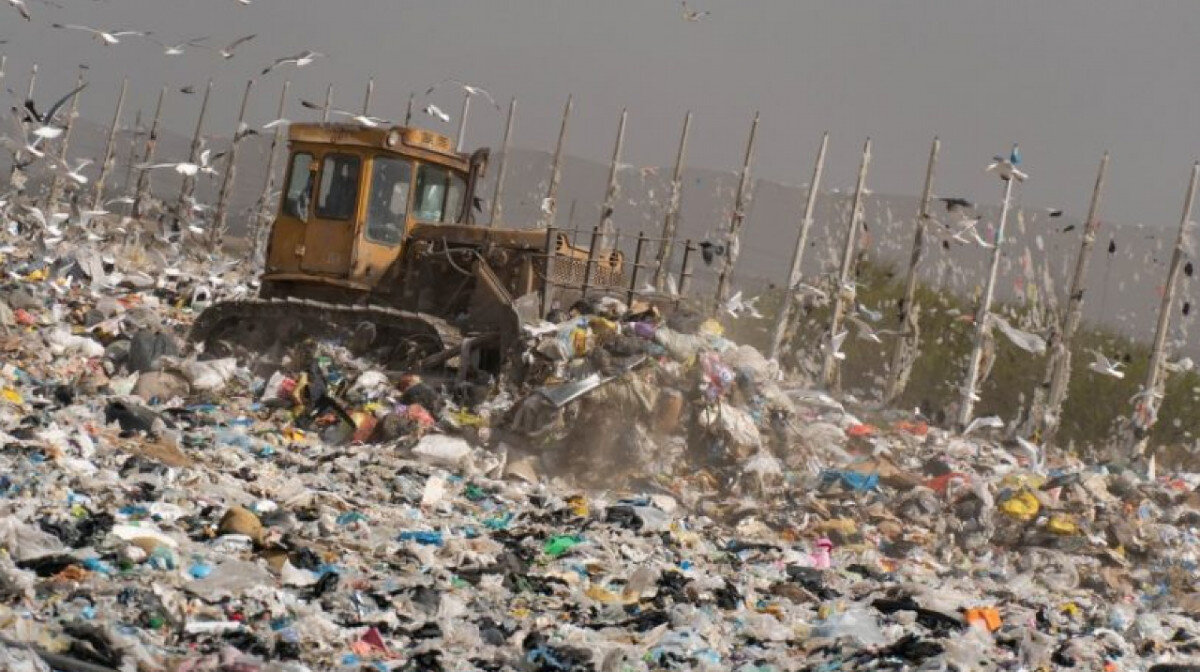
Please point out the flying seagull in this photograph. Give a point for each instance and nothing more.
(836, 343)
(1007, 168)
(299, 60)
(48, 130)
(226, 52)
(365, 120)
(691, 14)
(953, 203)
(1105, 367)
(470, 89)
(968, 226)
(177, 49)
(435, 111)
(22, 8)
(989, 422)
(737, 306)
(105, 37)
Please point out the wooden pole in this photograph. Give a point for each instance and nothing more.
(637, 266)
(548, 280)
(498, 193)
(367, 97)
(550, 205)
(262, 217)
(1059, 366)
(328, 104)
(132, 157)
(1147, 412)
(666, 246)
(217, 233)
(189, 183)
(845, 291)
(908, 342)
(106, 162)
(982, 317)
(685, 273)
(462, 122)
(17, 156)
(785, 308)
(736, 220)
(591, 261)
(409, 110)
(610, 194)
(143, 181)
(58, 183)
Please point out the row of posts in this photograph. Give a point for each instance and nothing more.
(1047, 406)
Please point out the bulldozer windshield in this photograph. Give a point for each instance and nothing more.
(391, 182)
(439, 194)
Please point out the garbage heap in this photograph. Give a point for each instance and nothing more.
(640, 494)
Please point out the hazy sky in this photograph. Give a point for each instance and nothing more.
(1068, 79)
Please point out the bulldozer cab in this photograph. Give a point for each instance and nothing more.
(352, 194)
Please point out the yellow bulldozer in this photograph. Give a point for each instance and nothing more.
(375, 245)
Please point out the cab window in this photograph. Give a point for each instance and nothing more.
(439, 194)
(391, 181)
(339, 186)
(299, 191)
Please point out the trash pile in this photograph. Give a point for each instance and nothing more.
(640, 494)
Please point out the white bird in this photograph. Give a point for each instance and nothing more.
(1180, 366)
(836, 344)
(183, 167)
(988, 422)
(47, 130)
(736, 306)
(74, 174)
(691, 14)
(276, 122)
(548, 206)
(299, 60)
(1104, 366)
(226, 52)
(435, 111)
(1032, 450)
(869, 333)
(470, 89)
(177, 49)
(105, 37)
(365, 120)
(22, 8)
(968, 226)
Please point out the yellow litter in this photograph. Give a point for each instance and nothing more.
(1022, 506)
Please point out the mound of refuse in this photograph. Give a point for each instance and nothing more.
(637, 493)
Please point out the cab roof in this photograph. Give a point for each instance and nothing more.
(404, 140)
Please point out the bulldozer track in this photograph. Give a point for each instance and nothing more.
(321, 315)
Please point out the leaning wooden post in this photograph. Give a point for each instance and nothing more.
(106, 160)
(272, 160)
(189, 182)
(845, 291)
(909, 340)
(666, 246)
(550, 204)
(217, 232)
(409, 110)
(548, 279)
(1059, 366)
(498, 193)
(462, 122)
(685, 272)
(58, 183)
(17, 156)
(637, 266)
(328, 107)
(736, 220)
(785, 308)
(367, 97)
(591, 261)
(610, 194)
(983, 316)
(1146, 412)
(143, 181)
(127, 184)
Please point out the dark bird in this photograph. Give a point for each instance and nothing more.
(1187, 307)
(1055, 212)
(1068, 228)
(1187, 269)
(710, 251)
(1112, 246)
(954, 203)
(187, 90)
